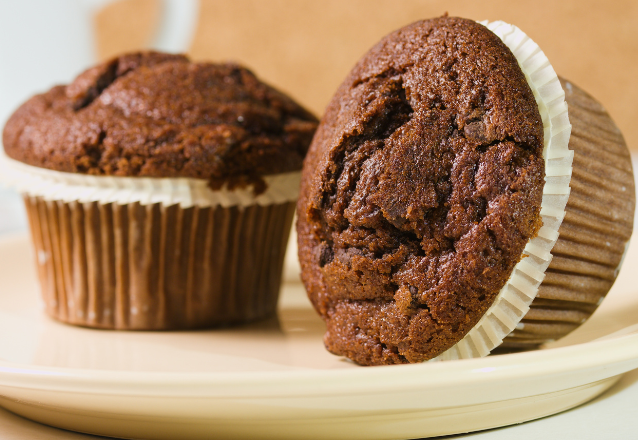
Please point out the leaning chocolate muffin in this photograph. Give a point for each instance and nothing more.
(160, 192)
(433, 193)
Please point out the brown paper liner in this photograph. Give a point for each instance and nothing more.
(596, 229)
(153, 267)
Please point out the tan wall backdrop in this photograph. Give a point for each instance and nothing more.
(306, 47)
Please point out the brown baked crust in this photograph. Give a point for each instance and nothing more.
(160, 115)
(419, 192)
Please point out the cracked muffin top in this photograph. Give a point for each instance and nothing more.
(159, 115)
(420, 190)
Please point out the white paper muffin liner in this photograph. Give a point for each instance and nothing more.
(139, 253)
(185, 192)
(514, 299)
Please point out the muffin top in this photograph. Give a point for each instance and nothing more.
(419, 192)
(159, 115)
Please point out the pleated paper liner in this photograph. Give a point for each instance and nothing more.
(155, 253)
(595, 232)
(155, 267)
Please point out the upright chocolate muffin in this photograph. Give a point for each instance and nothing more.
(160, 192)
(433, 193)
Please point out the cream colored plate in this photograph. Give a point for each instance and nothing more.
(274, 380)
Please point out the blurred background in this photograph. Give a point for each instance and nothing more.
(303, 47)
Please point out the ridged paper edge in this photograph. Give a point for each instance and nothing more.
(514, 299)
(134, 267)
(183, 191)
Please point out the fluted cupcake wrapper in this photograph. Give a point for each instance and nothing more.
(135, 266)
(595, 233)
(155, 253)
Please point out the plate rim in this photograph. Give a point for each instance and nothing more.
(617, 352)
(617, 355)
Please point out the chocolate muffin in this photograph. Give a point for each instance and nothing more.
(160, 191)
(434, 193)
(159, 115)
(420, 191)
